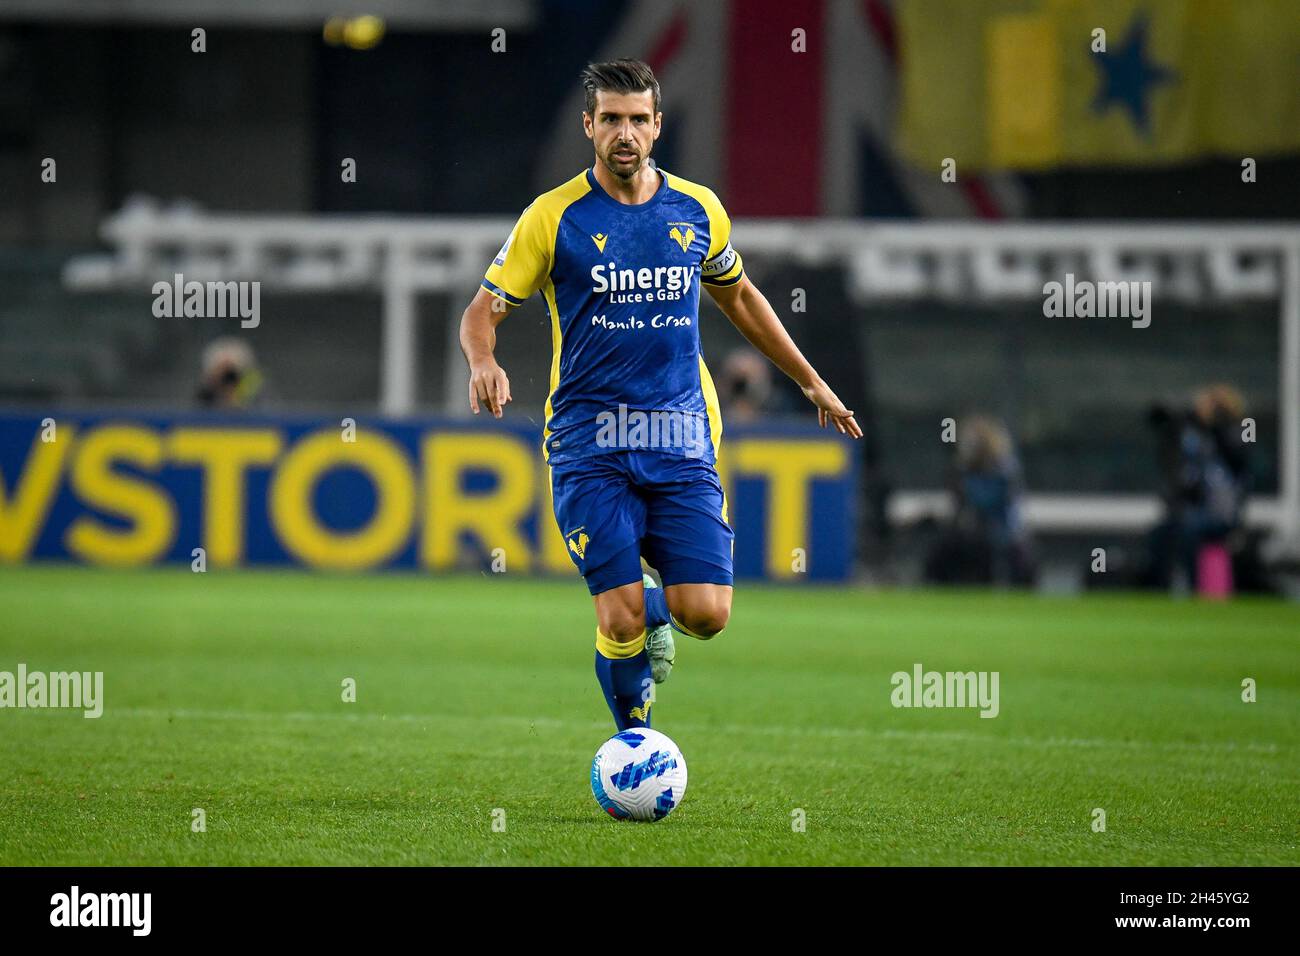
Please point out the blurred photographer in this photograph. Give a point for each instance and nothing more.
(229, 377)
(1205, 479)
(744, 386)
(987, 542)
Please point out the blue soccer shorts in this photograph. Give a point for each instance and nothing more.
(615, 508)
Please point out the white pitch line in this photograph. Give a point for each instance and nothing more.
(1090, 743)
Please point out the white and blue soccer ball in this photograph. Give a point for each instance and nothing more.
(638, 774)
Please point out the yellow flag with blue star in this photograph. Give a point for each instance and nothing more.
(1034, 84)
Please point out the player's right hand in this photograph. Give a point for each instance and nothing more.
(488, 384)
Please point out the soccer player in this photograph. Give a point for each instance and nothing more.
(619, 253)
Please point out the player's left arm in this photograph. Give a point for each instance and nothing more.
(750, 312)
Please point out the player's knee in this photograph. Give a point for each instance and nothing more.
(624, 623)
(706, 622)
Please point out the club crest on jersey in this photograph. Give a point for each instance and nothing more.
(600, 239)
(683, 239)
(578, 543)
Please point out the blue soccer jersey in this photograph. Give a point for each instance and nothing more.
(622, 285)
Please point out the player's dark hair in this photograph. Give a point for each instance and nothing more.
(618, 76)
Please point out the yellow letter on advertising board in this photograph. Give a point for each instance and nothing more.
(789, 467)
(151, 512)
(494, 518)
(225, 454)
(35, 488)
(316, 545)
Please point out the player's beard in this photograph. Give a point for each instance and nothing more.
(624, 171)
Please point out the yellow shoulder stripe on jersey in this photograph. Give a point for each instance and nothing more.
(713, 409)
(553, 204)
(526, 260)
(557, 342)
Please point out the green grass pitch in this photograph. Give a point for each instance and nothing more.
(223, 692)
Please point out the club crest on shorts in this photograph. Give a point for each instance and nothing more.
(578, 540)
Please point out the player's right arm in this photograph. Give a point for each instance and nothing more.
(518, 271)
(478, 339)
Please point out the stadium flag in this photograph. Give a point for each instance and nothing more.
(1025, 84)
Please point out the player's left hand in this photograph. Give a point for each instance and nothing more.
(830, 408)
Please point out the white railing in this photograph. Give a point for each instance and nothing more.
(400, 257)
